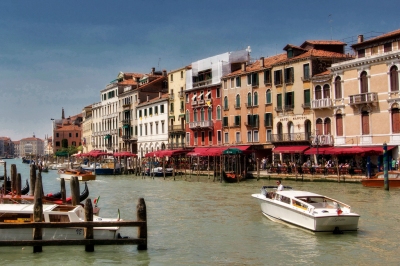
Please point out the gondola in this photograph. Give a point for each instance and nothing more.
(56, 197)
(24, 190)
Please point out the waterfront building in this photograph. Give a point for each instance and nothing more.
(247, 105)
(133, 89)
(367, 96)
(87, 131)
(152, 124)
(31, 146)
(16, 150)
(66, 132)
(48, 146)
(6, 147)
(293, 119)
(203, 95)
(176, 117)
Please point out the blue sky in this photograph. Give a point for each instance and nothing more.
(56, 54)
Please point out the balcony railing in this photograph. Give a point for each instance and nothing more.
(125, 121)
(200, 101)
(321, 103)
(301, 136)
(176, 128)
(181, 94)
(172, 146)
(201, 124)
(171, 96)
(126, 137)
(236, 106)
(249, 105)
(322, 140)
(306, 105)
(252, 124)
(289, 107)
(369, 97)
(194, 102)
(202, 83)
(278, 108)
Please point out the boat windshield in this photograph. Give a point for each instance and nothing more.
(320, 202)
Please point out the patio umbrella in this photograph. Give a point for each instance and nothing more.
(124, 154)
(232, 151)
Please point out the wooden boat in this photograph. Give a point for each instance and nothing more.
(24, 190)
(308, 210)
(49, 198)
(378, 180)
(80, 173)
(231, 177)
(23, 213)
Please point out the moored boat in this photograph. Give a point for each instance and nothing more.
(80, 173)
(378, 180)
(23, 213)
(308, 210)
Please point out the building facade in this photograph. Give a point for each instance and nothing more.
(31, 147)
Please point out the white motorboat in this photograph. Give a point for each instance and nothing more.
(308, 210)
(82, 175)
(21, 213)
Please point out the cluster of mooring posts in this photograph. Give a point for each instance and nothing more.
(37, 225)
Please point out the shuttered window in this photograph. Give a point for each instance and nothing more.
(319, 127)
(279, 101)
(395, 120)
(365, 123)
(394, 79)
(364, 82)
(327, 91)
(338, 88)
(307, 98)
(339, 125)
(318, 93)
(327, 127)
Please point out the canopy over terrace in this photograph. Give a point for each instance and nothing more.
(290, 149)
(164, 153)
(216, 151)
(374, 150)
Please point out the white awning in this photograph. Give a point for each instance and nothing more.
(208, 93)
(194, 97)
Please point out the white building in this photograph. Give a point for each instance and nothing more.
(152, 124)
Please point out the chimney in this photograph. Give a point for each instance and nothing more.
(164, 72)
(153, 69)
(360, 38)
(244, 67)
(62, 114)
(147, 97)
(159, 94)
(262, 61)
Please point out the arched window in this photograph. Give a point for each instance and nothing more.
(318, 92)
(365, 122)
(226, 103)
(364, 82)
(279, 131)
(237, 101)
(195, 115)
(249, 99)
(394, 79)
(327, 91)
(268, 96)
(202, 114)
(209, 114)
(319, 128)
(255, 100)
(396, 120)
(327, 126)
(339, 125)
(338, 88)
(218, 112)
(162, 146)
(291, 130)
(187, 116)
(307, 129)
(172, 107)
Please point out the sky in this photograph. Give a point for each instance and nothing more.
(61, 54)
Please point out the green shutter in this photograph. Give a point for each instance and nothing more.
(279, 100)
(306, 97)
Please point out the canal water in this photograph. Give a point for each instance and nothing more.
(195, 221)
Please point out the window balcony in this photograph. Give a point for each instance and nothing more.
(249, 105)
(278, 109)
(202, 83)
(194, 102)
(126, 137)
(321, 103)
(201, 124)
(181, 94)
(171, 146)
(322, 140)
(126, 121)
(289, 107)
(306, 105)
(252, 125)
(289, 137)
(171, 96)
(362, 98)
(236, 106)
(201, 102)
(176, 128)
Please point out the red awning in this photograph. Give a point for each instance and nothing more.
(320, 150)
(164, 153)
(244, 148)
(361, 150)
(198, 151)
(207, 151)
(290, 149)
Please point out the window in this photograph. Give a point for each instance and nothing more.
(76, 134)
(219, 136)
(136, 130)
(140, 130)
(187, 116)
(57, 144)
(203, 137)
(162, 126)
(232, 83)
(394, 79)
(361, 53)
(364, 82)
(267, 76)
(237, 120)
(225, 121)
(151, 128)
(187, 138)
(162, 109)
(396, 120)
(218, 112)
(255, 101)
(319, 129)
(145, 112)
(269, 135)
(289, 53)
(318, 92)
(145, 129)
(226, 135)
(279, 101)
(249, 99)
(238, 83)
(253, 120)
(208, 95)
(70, 135)
(226, 107)
(171, 107)
(195, 115)
(268, 97)
(387, 47)
(172, 77)
(156, 126)
(181, 74)
(289, 75)
(202, 114)
(255, 136)
(187, 97)
(306, 71)
(237, 137)
(209, 114)
(327, 91)
(150, 111)
(210, 136)
(237, 104)
(249, 139)
(289, 101)
(278, 77)
(365, 123)
(225, 84)
(195, 137)
(182, 106)
(307, 98)
(218, 93)
(338, 88)
(156, 110)
(252, 79)
(268, 119)
(248, 79)
(327, 126)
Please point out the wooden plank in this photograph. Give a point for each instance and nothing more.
(73, 224)
(70, 242)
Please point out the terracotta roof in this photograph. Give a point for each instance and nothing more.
(378, 38)
(69, 128)
(128, 82)
(293, 46)
(326, 42)
(163, 96)
(31, 138)
(327, 72)
(315, 53)
(5, 138)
